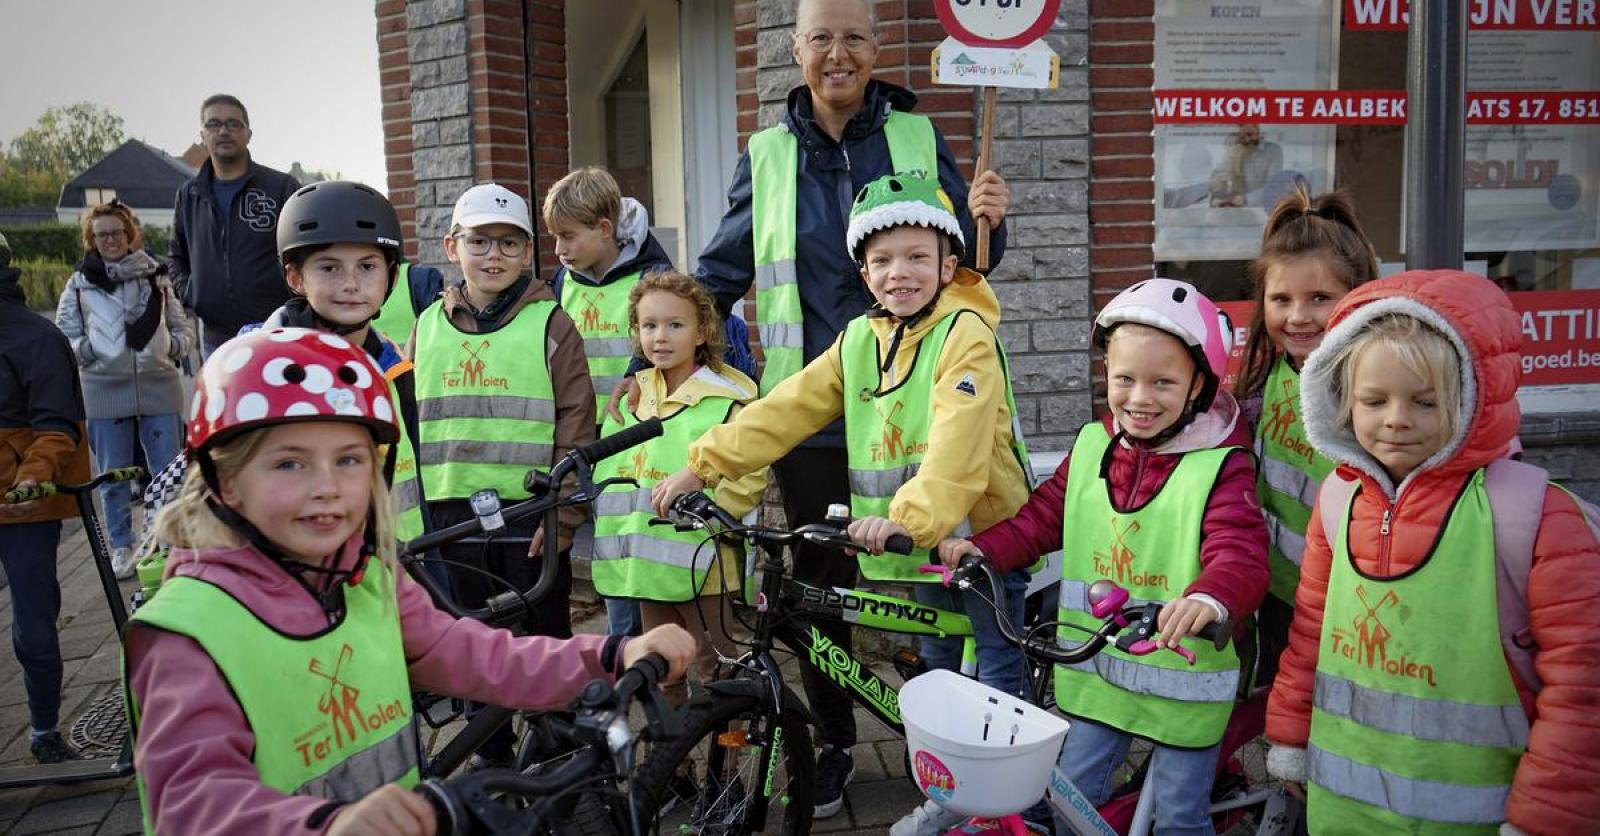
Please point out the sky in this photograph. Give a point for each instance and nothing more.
(307, 70)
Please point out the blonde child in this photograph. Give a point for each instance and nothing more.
(920, 382)
(1160, 498)
(676, 330)
(1313, 252)
(1395, 701)
(270, 681)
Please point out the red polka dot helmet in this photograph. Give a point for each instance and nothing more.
(280, 375)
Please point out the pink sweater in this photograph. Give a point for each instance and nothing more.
(194, 744)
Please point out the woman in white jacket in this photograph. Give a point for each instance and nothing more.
(129, 334)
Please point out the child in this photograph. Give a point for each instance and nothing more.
(270, 680)
(502, 388)
(42, 432)
(1395, 701)
(1159, 497)
(1312, 253)
(675, 323)
(920, 381)
(129, 335)
(603, 240)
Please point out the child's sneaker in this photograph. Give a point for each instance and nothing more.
(928, 820)
(50, 747)
(835, 768)
(122, 563)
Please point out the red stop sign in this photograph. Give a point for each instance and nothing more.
(997, 23)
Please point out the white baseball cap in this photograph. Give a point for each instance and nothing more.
(490, 203)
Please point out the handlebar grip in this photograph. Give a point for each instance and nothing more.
(653, 666)
(615, 443)
(445, 813)
(122, 474)
(899, 544)
(1219, 633)
(39, 491)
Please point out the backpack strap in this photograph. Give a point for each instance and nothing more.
(1516, 502)
(1332, 499)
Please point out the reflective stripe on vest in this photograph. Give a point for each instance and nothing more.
(1416, 724)
(601, 315)
(774, 171)
(399, 314)
(1152, 552)
(405, 495)
(330, 714)
(1290, 473)
(485, 404)
(632, 558)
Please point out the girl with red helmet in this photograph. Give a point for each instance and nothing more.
(1159, 496)
(269, 682)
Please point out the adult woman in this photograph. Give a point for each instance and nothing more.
(128, 333)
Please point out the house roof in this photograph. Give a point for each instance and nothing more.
(144, 177)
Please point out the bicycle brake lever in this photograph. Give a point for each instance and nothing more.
(941, 570)
(1144, 647)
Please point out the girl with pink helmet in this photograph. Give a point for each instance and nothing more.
(1158, 496)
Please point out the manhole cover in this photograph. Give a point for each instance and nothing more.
(101, 730)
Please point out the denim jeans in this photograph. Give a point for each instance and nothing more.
(1180, 778)
(622, 617)
(999, 661)
(112, 440)
(28, 554)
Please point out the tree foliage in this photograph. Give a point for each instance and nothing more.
(65, 141)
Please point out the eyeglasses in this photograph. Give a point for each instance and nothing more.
(111, 236)
(511, 246)
(821, 41)
(214, 125)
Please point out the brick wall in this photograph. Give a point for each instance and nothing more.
(463, 104)
(1122, 168)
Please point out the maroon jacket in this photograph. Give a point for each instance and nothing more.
(1233, 540)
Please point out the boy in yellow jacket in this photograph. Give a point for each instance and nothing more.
(920, 380)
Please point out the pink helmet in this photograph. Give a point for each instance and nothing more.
(1182, 311)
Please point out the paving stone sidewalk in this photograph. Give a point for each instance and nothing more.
(879, 794)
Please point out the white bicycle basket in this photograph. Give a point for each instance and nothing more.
(974, 750)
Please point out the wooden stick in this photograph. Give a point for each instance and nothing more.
(984, 162)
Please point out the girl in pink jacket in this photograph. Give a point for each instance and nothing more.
(269, 682)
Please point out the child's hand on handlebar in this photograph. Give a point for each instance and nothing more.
(669, 489)
(671, 641)
(389, 809)
(536, 543)
(1182, 618)
(873, 532)
(953, 549)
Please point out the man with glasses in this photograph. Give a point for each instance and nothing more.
(224, 229)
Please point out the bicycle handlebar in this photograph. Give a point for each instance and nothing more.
(700, 510)
(43, 490)
(470, 803)
(579, 462)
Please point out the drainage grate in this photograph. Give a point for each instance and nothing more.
(101, 730)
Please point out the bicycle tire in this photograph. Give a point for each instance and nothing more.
(718, 807)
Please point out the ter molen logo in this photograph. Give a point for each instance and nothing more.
(1367, 640)
(1117, 560)
(892, 444)
(590, 321)
(472, 371)
(341, 709)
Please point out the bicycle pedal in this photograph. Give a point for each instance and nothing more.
(908, 664)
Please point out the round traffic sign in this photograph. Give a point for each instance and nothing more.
(1011, 23)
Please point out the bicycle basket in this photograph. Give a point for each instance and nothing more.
(974, 750)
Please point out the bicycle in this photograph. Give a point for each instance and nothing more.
(580, 795)
(754, 729)
(88, 769)
(943, 741)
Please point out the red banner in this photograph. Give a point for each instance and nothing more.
(1566, 15)
(1560, 336)
(1365, 107)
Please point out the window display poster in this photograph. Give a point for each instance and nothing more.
(1532, 182)
(1215, 183)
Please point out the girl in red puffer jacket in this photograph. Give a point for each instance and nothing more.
(1159, 497)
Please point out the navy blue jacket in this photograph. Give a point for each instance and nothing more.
(831, 290)
(425, 284)
(226, 269)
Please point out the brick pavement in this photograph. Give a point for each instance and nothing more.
(879, 794)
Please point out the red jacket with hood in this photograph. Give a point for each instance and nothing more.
(1557, 785)
(1233, 538)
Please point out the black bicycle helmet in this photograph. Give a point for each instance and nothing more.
(338, 212)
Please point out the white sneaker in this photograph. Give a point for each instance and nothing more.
(928, 820)
(122, 563)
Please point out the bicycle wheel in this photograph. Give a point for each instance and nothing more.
(703, 779)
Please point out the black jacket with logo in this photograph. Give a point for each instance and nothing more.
(226, 267)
